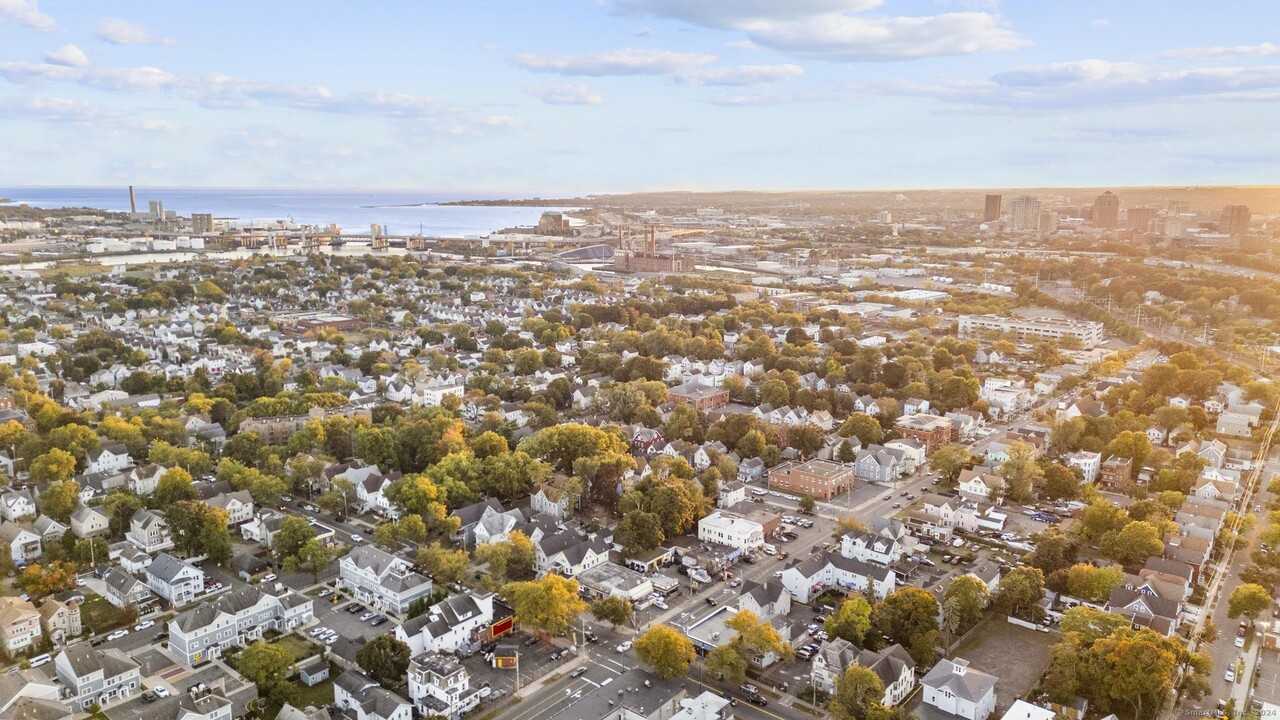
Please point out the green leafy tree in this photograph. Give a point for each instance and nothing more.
(949, 460)
(444, 565)
(199, 530)
(314, 557)
(864, 427)
(1248, 599)
(385, 659)
(265, 664)
(1093, 583)
(962, 604)
(851, 620)
(909, 616)
(174, 486)
(668, 652)
(857, 690)
(60, 499)
(294, 532)
(1055, 550)
(613, 610)
(1133, 543)
(1021, 590)
(727, 663)
(1020, 471)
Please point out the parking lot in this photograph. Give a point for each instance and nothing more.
(535, 661)
(348, 625)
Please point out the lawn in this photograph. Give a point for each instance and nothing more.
(99, 615)
(317, 696)
(298, 648)
(1016, 655)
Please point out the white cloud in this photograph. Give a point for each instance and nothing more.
(1260, 50)
(835, 30)
(565, 94)
(732, 13)
(1102, 23)
(26, 12)
(68, 55)
(853, 38)
(123, 32)
(618, 62)
(1086, 83)
(741, 75)
(47, 109)
(742, 45)
(151, 125)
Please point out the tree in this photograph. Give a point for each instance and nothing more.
(851, 620)
(962, 604)
(378, 446)
(613, 610)
(949, 460)
(1100, 518)
(313, 558)
(638, 532)
(551, 604)
(444, 565)
(510, 559)
(807, 503)
(41, 580)
(1060, 483)
(1131, 444)
(294, 532)
(199, 529)
(1133, 544)
(1020, 593)
(60, 499)
(856, 692)
(1248, 599)
(727, 663)
(54, 466)
(1020, 471)
(1055, 550)
(174, 486)
(385, 659)
(1093, 583)
(909, 617)
(265, 664)
(666, 651)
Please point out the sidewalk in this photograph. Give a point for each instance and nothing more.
(563, 669)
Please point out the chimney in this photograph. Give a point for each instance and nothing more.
(133, 202)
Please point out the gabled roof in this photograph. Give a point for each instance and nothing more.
(963, 681)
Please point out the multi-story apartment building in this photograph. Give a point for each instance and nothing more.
(96, 676)
(440, 686)
(932, 431)
(1088, 332)
(19, 624)
(149, 531)
(381, 579)
(174, 580)
(235, 619)
(821, 479)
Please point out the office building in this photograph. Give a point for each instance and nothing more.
(1235, 220)
(1024, 214)
(991, 210)
(1089, 333)
(1106, 211)
(1140, 219)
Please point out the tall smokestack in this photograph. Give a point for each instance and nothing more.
(133, 202)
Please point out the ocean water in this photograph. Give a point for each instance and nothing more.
(401, 212)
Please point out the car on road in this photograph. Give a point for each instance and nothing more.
(625, 646)
(578, 672)
(117, 634)
(711, 602)
(144, 625)
(758, 491)
(269, 577)
(888, 497)
(1240, 641)
(897, 505)
(590, 636)
(777, 574)
(757, 700)
(356, 539)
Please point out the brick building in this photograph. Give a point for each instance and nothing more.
(701, 397)
(821, 479)
(931, 431)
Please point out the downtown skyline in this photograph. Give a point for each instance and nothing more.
(623, 95)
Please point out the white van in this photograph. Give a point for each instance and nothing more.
(39, 660)
(769, 549)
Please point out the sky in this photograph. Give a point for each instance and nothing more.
(569, 96)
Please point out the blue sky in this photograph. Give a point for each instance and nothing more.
(615, 95)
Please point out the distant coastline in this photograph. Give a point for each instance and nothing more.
(531, 202)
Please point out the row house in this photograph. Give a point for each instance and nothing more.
(19, 625)
(96, 677)
(235, 619)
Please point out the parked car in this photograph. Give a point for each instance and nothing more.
(160, 692)
(269, 577)
(531, 642)
(356, 539)
(39, 660)
(117, 634)
(367, 616)
(144, 625)
(757, 700)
